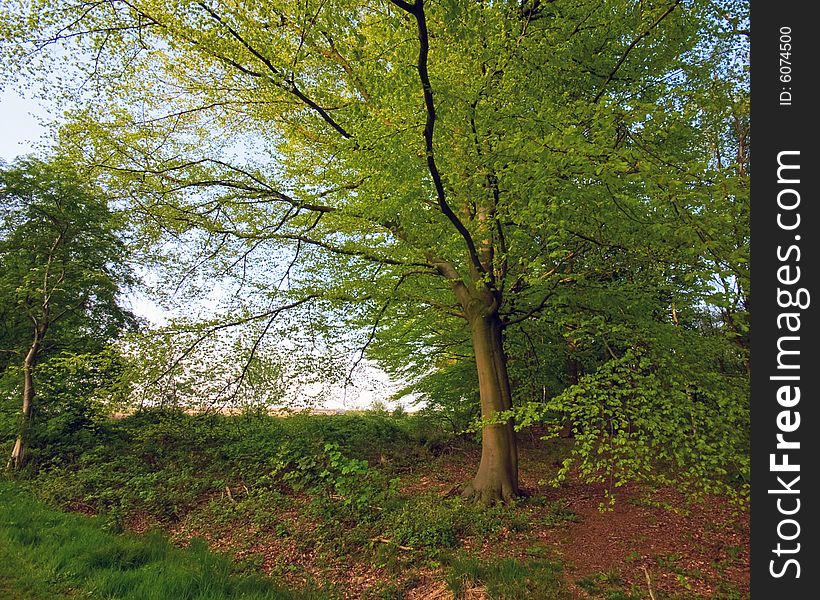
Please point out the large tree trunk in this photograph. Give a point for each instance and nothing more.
(18, 453)
(497, 477)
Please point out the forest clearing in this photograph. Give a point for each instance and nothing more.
(507, 241)
(377, 515)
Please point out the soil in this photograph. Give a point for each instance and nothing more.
(651, 539)
(651, 544)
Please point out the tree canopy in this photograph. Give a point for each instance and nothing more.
(62, 268)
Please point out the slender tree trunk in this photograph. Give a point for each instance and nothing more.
(19, 451)
(497, 477)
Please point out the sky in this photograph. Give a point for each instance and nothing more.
(21, 132)
(19, 126)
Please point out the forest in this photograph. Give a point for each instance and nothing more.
(377, 299)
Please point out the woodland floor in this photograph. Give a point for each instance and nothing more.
(651, 545)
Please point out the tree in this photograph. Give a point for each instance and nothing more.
(385, 158)
(61, 268)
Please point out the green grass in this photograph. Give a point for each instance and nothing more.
(329, 484)
(163, 463)
(609, 586)
(507, 579)
(49, 555)
(559, 514)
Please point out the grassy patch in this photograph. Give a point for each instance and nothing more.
(362, 502)
(51, 555)
(609, 586)
(164, 463)
(506, 579)
(559, 514)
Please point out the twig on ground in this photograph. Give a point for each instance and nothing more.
(649, 583)
(387, 541)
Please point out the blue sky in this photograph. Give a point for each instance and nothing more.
(19, 126)
(21, 132)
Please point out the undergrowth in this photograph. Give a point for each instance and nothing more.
(326, 495)
(50, 555)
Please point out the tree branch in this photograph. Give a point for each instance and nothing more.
(286, 83)
(271, 314)
(373, 329)
(631, 47)
(349, 252)
(417, 10)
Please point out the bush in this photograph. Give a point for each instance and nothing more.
(431, 524)
(424, 525)
(166, 462)
(342, 487)
(648, 418)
